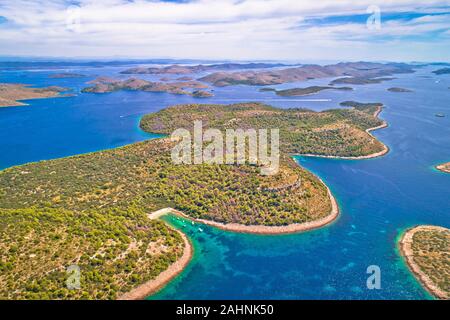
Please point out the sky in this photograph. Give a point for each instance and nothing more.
(297, 30)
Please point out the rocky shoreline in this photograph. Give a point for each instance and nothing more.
(408, 254)
(150, 287)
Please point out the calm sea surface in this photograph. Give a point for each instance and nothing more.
(378, 198)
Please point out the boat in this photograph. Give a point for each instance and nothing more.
(440, 115)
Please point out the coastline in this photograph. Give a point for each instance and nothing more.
(154, 285)
(369, 156)
(19, 99)
(262, 230)
(407, 254)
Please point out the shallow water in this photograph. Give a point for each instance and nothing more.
(378, 198)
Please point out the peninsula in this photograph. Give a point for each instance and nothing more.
(11, 94)
(92, 210)
(426, 250)
(337, 132)
(445, 167)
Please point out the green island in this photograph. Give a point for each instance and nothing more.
(426, 250)
(304, 91)
(445, 167)
(93, 210)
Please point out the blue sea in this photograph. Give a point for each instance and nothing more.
(378, 198)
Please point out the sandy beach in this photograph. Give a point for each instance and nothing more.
(407, 253)
(150, 287)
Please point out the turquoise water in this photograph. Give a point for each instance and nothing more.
(378, 198)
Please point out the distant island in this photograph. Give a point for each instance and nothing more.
(359, 80)
(202, 94)
(426, 250)
(94, 209)
(304, 91)
(185, 78)
(106, 84)
(187, 69)
(442, 71)
(444, 167)
(11, 94)
(66, 75)
(396, 89)
(357, 73)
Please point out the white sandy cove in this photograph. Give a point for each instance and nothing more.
(152, 286)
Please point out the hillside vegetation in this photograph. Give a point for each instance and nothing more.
(338, 132)
(429, 254)
(91, 210)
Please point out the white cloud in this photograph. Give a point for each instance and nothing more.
(247, 29)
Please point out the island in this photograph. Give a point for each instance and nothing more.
(11, 94)
(294, 92)
(362, 105)
(354, 73)
(185, 78)
(359, 80)
(444, 167)
(66, 75)
(442, 71)
(202, 94)
(396, 89)
(100, 211)
(426, 250)
(188, 69)
(106, 84)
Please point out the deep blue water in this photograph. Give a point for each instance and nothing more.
(378, 198)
